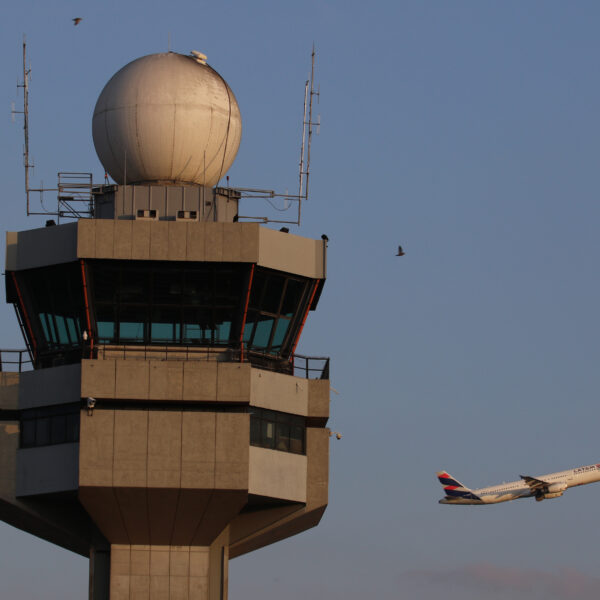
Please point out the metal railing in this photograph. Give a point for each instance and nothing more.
(143, 352)
(75, 198)
(299, 365)
(15, 361)
(310, 367)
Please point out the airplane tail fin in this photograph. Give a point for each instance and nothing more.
(454, 488)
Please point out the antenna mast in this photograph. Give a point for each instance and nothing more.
(72, 187)
(25, 113)
(304, 171)
(307, 130)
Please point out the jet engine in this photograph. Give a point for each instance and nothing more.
(541, 497)
(559, 486)
(554, 490)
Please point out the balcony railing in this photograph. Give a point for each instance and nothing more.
(308, 367)
(15, 361)
(311, 367)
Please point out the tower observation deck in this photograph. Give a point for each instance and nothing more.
(166, 424)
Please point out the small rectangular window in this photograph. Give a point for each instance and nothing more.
(262, 333)
(277, 430)
(28, 433)
(268, 434)
(255, 431)
(297, 440)
(279, 335)
(42, 431)
(50, 425)
(273, 292)
(282, 441)
(72, 434)
(293, 295)
(58, 429)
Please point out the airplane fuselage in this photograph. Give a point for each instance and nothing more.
(543, 487)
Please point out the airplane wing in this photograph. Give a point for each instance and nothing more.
(533, 483)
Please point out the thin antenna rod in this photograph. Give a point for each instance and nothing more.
(307, 131)
(301, 174)
(310, 121)
(304, 165)
(71, 186)
(25, 112)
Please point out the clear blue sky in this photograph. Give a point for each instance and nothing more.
(468, 132)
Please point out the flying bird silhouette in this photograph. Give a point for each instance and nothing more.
(400, 251)
(76, 20)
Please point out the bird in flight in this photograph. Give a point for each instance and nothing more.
(76, 20)
(400, 251)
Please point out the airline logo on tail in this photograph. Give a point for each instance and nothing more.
(454, 488)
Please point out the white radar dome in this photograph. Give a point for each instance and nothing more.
(167, 119)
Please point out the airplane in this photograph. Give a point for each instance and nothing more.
(543, 487)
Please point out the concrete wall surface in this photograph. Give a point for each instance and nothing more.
(291, 253)
(204, 381)
(253, 530)
(277, 391)
(164, 449)
(63, 523)
(47, 470)
(168, 572)
(41, 247)
(9, 391)
(9, 444)
(200, 241)
(46, 387)
(176, 380)
(149, 476)
(318, 399)
(277, 474)
(289, 394)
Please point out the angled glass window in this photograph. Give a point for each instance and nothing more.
(276, 304)
(168, 303)
(54, 302)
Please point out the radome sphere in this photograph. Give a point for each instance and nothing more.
(167, 119)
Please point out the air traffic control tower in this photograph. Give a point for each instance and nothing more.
(167, 424)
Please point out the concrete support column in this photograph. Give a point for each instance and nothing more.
(169, 572)
(100, 573)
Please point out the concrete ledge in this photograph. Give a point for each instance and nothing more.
(204, 381)
(41, 247)
(318, 398)
(253, 530)
(291, 253)
(46, 387)
(277, 391)
(165, 240)
(9, 391)
(174, 380)
(47, 470)
(277, 474)
(197, 241)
